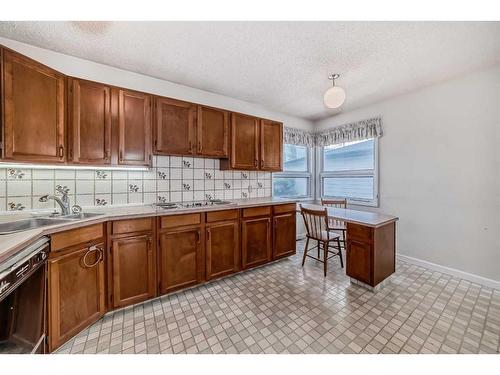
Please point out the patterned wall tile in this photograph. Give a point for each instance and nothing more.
(172, 179)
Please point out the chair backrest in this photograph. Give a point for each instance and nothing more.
(315, 221)
(336, 203)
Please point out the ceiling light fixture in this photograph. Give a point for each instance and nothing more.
(335, 95)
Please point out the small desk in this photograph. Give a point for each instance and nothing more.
(370, 245)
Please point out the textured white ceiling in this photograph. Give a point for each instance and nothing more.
(281, 65)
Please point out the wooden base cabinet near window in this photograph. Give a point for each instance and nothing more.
(284, 230)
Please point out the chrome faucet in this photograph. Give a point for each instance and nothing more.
(63, 202)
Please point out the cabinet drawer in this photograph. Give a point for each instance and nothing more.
(282, 208)
(359, 232)
(73, 237)
(180, 220)
(222, 215)
(257, 211)
(132, 225)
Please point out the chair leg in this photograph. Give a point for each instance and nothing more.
(318, 250)
(325, 257)
(305, 252)
(340, 254)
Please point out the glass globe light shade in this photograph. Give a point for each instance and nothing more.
(334, 97)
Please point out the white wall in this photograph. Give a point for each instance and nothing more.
(81, 68)
(440, 171)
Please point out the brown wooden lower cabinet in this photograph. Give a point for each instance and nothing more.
(133, 270)
(76, 292)
(371, 256)
(180, 258)
(222, 249)
(284, 235)
(358, 256)
(189, 249)
(255, 241)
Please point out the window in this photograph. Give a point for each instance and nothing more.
(295, 180)
(349, 170)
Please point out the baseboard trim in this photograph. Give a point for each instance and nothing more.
(451, 271)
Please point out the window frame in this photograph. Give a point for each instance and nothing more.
(309, 174)
(350, 173)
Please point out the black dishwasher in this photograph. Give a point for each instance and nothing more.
(22, 300)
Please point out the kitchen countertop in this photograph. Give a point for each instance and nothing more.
(366, 218)
(12, 243)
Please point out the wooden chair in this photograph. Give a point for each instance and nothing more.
(318, 229)
(335, 224)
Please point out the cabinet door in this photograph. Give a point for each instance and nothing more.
(244, 142)
(89, 122)
(284, 236)
(174, 127)
(76, 293)
(134, 128)
(212, 131)
(271, 145)
(359, 261)
(222, 250)
(181, 262)
(133, 270)
(34, 107)
(255, 241)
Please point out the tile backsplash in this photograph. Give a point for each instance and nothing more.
(172, 179)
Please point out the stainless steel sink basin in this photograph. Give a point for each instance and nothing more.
(26, 224)
(79, 216)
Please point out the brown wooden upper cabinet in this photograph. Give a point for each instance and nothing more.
(174, 127)
(212, 132)
(134, 128)
(256, 144)
(34, 106)
(271, 146)
(89, 124)
(182, 128)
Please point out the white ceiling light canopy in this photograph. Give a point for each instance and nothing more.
(335, 95)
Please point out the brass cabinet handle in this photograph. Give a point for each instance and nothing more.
(61, 151)
(262, 163)
(255, 163)
(121, 155)
(208, 234)
(91, 250)
(199, 146)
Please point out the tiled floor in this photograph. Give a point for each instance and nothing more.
(283, 308)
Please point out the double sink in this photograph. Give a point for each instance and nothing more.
(37, 222)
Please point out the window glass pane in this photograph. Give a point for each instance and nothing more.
(348, 187)
(295, 158)
(290, 186)
(349, 156)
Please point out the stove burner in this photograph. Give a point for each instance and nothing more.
(212, 202)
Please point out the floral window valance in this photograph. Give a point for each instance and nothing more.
(298, 137)
(356, 131)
